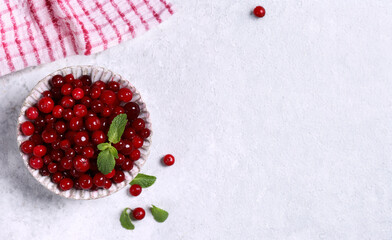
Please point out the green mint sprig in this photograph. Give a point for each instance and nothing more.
(125, 220)
(143, 180)
(159, 214)
(107, 155)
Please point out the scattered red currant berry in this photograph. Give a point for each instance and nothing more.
(138, 213)
(135, 190)
(168, 160)
(259, 11)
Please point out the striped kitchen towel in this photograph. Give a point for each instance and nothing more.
(33, 32)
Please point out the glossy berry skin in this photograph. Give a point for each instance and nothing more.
(93, 123)
(100, 84)
(95, 92)
(67, 102)
(124, 95)
(77, 83)
(69, 78)
(138, 124)
(168, 160)
(86, 101)
(66, 163)
(128, 147)
(113, 86)
(49, 135)
(120, 160)
(99, 180)
(86, 80)
(66, 184)
(132, 110)
(65, 144)
(57, 111)
(119, 146)
(56, 177)
(32, 113)
(27, 147)
(81, 138)
(66, 89)
(77, 93)
(60, 127)
(27, 128)
(56, 155)
(88, 152)
(36, 162)
(36, 139)
(108, 184)
(137, 142)
(75, 123)
(80, 110)
(145, 133)
(44, 171)
(127, 165)
(52, 167)
(57, 81)
(81, 164)
(108, 97)
(135, 155)
(49, 119)
(106, 112)
(39, 150)
(96, 106)
(138, 213)
(129, 133)
(45, 105)
(98, 137)
(111, 174)
(135, 190)
(259, 11)
(119, 176)
(118, 110)
(68, 114)
(85, 182)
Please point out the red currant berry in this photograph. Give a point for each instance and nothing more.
(135, 154)
(95, 92)
(66, 89)
(36, 162)
(168, 160)
(98, 137)
(56, 155)
(77, 83)
(75, 123)
(259, 11)
(132, 110)
(81, 138)
(57, 111)
(47, 159)
(108, 97)
(80, 110)
(44, 171)
(45, 105)
(47, 93)
(85, 182)
(70, 153)
(36, 139)
(120, 160)
(57, 176)
(60, 127)
(113, 86)
(27, 128)
(124, 95)
(69, 78)
(137, 142)
(128, 147)
(49, 119)
(86, 101)
(100, 84)
(145, 133)
(88, 152)
(138, 213)
(66, 184)
(119, 176)
(138, 124)
(129, 133)
(27, 146)
(127, 165)
(135, 190)
(57, 81)
(77, 93)
(65, 144)
(108, 183)
(81, 164)
(32, 113)
(52, 167)
(106, 112)
(39, 151)
(111, 174)
(93, 123)
(67, 102)
(49, 135)
(66, 163)
(119, 146)
(99, 180)
(86, 80)
(96, 106)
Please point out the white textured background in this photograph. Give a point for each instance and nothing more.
(282, 127)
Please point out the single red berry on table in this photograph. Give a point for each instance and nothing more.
(77, 93)
(85, 181)
(119, 176)
(138, 213)
(27, 147)
(135, 190)
(81, 164)
(39, 150)
(124, 95)
(168, 160)
(27, 128)
(259, 11)
(32, 113)
(36, 162)
(99, 180)
(45, 105)
(66, 184)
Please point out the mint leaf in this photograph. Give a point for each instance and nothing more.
(143, 180)
(125, 220)
(103, 146)
(113, 151)
(117, 128)
(159, 214)
(105, 161)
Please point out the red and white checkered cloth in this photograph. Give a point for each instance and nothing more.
(34, 32)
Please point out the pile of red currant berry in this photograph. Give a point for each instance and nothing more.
(68, 123)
